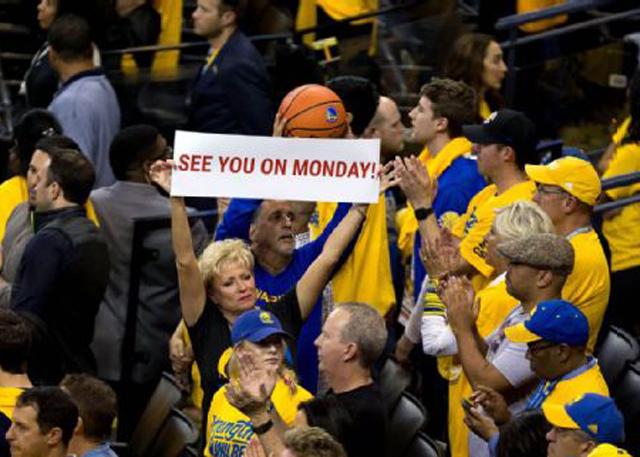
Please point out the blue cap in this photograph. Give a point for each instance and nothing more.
(596, 415)
(255, 325)
(557, 321)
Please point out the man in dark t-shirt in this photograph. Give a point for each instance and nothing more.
(352, 339)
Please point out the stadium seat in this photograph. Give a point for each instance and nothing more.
(618, 350)
(406, 420)
(164, 398)
(393, 381)
(176, 434)
(627, 398)
(423, 446)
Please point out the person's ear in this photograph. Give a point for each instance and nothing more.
(229, 17)
(55, 191)
(544, 279)
(586, 448)
(79, 430)
(252, 231)
(54, 436)
(350, 352)
(508, 154)
(442, 124)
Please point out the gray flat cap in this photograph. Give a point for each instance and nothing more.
(541, 250)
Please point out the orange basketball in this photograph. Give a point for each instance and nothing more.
(313, 111)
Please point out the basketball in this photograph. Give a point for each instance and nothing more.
(313, 111)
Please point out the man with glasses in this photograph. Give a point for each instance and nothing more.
(567, 190)
(589, 426)
(538, 266)
(556, 336)
(131, 154)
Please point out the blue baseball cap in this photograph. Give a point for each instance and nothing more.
(596, 415)
(557, 321)
(255, 325)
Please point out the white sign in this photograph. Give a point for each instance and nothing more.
(213, 165)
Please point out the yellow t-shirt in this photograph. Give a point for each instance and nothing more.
(13, 191)
(230, 430)
(495, 304)
(623, 230)
(8, 397)
(474, 225)
(588, 285)
(369, 262)
(567, 390)
(525, 6)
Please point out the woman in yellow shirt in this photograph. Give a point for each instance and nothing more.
(477, 59)
(621, 227)
(258, 336)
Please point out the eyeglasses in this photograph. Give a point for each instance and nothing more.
(550, 190)
(534, 349)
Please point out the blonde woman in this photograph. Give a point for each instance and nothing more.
(217, 288)
(257, 335)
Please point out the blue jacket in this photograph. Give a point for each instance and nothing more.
(232, 95)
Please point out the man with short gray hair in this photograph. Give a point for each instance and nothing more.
(352, 339)
(538, 266)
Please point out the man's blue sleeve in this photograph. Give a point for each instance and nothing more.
(43, 258)
(237, 219)
(310, 251)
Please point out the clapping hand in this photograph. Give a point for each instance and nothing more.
(457, 294)
(250, 392)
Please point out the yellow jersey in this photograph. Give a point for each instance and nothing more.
(623, 230)
(230, 430)
(13, 191)
(369, 263)
(474, 225)
(588, 285)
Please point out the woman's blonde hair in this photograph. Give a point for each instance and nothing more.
(521, 219)
(220, 253)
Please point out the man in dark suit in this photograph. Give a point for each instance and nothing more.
(231, 94)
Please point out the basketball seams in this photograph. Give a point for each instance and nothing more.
(295, 96)
(311, 129)
(309, 108)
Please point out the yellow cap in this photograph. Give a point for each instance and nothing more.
(520, 334)
(608, 450)
(576, 176)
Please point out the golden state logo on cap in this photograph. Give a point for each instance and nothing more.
(265, 318)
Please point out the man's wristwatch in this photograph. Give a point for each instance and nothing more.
(263, 428)
(422, 213)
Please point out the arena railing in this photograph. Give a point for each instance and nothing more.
(513, 22)
(619, 181)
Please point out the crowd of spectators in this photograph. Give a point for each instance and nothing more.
(479, 268)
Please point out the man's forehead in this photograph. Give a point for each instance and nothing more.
(24, 414)
(40, 157)
(275, 205)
